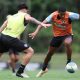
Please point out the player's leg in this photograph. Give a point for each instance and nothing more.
(20, 46)
(46, 61)
(68, 42)
(55, 43)
(26, 58)
(48, 57)
(14, 57)
(1, 55)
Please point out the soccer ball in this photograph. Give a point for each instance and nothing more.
(71, 67)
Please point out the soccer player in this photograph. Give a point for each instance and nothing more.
(11, 29)
(62, 32)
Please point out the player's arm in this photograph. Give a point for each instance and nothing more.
(48, 19)
(33, 34)
(3, 26)
(32, 19)
(74, 16)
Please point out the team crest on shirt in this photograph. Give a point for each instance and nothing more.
(25, 45)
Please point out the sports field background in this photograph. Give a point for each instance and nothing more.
(56, 72)
(40, 9)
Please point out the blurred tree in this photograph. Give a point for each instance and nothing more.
(40, 9)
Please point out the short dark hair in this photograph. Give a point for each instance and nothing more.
(22, 6)
(62, 9)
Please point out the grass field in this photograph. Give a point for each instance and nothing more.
(56, 72)
(51, 75)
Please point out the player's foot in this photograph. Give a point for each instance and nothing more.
(23, 75)
(68, 62)
(41, 73)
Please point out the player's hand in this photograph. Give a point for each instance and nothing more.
(46, 25)
(32, 35)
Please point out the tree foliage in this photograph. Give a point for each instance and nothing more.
(40, 9)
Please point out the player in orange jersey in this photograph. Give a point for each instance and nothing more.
(62, 32)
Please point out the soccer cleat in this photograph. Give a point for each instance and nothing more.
(68, 61)
(41, 73)
(23, 75)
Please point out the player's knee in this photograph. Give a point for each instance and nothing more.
(29, 50)
(16, 59)
(67, 43)
(13, 59)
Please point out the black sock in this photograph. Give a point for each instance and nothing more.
(13, 70)
(69, 60)
(21, 69)
(44, 67)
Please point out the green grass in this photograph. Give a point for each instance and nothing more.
(58, 61)
(51, 75)
(56, 72)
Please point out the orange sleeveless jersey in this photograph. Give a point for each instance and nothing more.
(59, 24)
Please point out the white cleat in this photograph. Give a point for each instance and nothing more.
(41, 73)
(25, 75)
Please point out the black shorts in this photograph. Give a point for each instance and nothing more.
(57, 41)
(12, 51)
(7, 42)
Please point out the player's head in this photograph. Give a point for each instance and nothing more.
(23, 7)
(62, 11)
